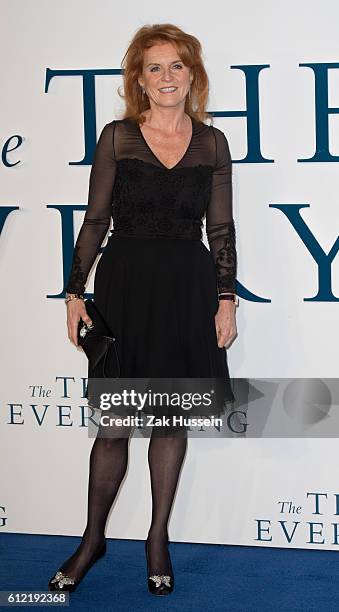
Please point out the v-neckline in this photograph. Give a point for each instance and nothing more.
(157, 158)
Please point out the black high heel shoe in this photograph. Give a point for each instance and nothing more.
(159, 584)
(63, 582)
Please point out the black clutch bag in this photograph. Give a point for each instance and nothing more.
(99, 344)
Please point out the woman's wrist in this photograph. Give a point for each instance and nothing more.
(228, 297)
(73, 296)
(227, 305)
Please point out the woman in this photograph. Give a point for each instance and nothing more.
(170, 300)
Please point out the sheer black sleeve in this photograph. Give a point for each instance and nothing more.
(220, 228)
(98, 212)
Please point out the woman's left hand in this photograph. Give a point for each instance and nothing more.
(225, 323)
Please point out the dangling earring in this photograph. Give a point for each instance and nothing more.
(143, 91)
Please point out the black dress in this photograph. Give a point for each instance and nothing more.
(156, 283)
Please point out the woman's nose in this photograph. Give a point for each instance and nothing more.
(166, 75)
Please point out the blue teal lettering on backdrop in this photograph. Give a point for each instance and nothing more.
(288, 528)
(3, 519)
(4, 212)
(6, 149)
(62, 415)
(39, 419)
(322, 111)
(336, 495)
(65, 380)
(13, 413)
(289, 537)
(322, 260)
(254, 155)
(252, 114)
(261, 528)
(317, 498)
(66, 392)
(89, 115)
(67, 238)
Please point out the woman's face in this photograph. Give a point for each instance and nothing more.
(163, 69)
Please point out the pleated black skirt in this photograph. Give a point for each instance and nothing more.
(159, 297)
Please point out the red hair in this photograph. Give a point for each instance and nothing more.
(189, 50)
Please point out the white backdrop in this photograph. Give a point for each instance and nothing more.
(227, 486)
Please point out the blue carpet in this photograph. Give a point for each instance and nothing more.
(208, 577)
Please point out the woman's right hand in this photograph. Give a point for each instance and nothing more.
(76, 310)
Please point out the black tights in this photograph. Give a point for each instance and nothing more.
(108, 464)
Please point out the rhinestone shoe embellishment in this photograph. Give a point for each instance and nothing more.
(159, 579)
(62, 579)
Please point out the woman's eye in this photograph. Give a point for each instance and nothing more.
(154, 68)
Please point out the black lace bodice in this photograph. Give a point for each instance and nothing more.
(146, 198)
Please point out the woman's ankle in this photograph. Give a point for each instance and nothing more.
(93, 541)
(156, 534)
